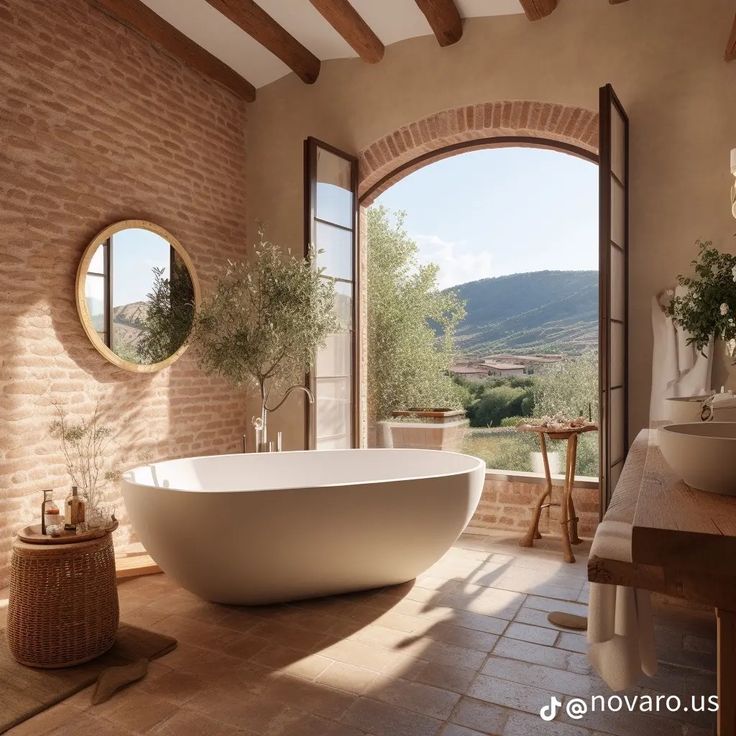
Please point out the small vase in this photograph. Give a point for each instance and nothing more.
(100, 517)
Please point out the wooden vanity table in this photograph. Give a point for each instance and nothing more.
(683, 543)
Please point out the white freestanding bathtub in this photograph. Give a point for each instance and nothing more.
(265, 528)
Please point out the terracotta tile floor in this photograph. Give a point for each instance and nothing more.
(464, 650)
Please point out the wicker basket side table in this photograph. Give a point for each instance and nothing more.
(63, 603)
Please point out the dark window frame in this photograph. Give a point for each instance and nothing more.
(106, 276)
(608, 101)
(311, 145)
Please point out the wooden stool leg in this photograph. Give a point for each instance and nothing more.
(565, 504)
(726, 672)
(533, 531)
(573, 449)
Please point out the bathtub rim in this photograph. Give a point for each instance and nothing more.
(480, 464)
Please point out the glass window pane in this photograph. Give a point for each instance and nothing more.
(344, 305)
(94, 293)
(336, 357)
(334, 195)
(336, 256)
(333, 409)
(618, 284)
(618, 145)
(614, 475)
(617, 425)
(97, 264)
(334, 443)
(618, 354)
(618, 214)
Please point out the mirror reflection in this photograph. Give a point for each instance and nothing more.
(139, 294)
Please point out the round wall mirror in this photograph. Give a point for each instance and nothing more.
(136, 295)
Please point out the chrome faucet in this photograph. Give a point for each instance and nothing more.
(261, 423)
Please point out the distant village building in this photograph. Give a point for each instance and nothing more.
(530, 363)
(475, 373)
(503, 364)
(504, 369)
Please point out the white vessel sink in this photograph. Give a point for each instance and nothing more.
(703, 454)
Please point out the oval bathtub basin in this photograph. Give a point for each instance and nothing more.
(266, 528)
(702, 453)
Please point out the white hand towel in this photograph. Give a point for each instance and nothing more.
(621, 643)
(678, 369)
(620, 635)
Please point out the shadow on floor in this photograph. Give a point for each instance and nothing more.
(465, 649)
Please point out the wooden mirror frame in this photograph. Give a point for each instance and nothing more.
(83, 310)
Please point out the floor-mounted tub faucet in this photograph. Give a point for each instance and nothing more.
(261, 423)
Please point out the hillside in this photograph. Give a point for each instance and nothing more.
(543, 311)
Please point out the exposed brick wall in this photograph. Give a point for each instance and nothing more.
(96, 126)
(507, 504)
(561, 123)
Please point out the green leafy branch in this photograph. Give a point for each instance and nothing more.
(707, 309)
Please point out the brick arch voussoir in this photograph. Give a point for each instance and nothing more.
(393, 153)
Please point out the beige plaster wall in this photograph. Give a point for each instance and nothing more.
(665, 60)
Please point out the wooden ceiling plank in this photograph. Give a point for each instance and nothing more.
(344, 18)
(258, 24)
(538, 9)
(731, 48)
(444, 19)
(140, 18)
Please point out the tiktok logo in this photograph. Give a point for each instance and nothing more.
(548, 712)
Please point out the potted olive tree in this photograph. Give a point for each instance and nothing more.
(413, 399)
(263, 323)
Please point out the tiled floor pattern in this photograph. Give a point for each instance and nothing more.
(464, 650)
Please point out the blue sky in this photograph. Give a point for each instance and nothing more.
(135, 254)
(500, 211)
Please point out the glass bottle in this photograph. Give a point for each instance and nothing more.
(49, 511)
(74, 510)
(54, 525)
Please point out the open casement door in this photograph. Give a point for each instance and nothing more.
(613, 265)
(331, 230)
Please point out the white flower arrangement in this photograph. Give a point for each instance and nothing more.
(705, 310)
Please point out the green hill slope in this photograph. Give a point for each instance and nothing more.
(543, 311)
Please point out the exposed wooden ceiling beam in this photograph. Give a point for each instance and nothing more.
(344, 18)
(731, 48)
(139, 17)
(444, 19)
(257, 23)
(537, 9)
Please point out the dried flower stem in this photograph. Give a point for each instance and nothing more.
(83, 446)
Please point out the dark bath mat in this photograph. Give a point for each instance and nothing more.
(25, 692)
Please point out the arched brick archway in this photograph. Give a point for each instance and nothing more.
(510, 122)
(504, 123)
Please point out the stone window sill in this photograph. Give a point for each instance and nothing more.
(511, 476)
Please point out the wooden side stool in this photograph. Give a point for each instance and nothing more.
(569, 520)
